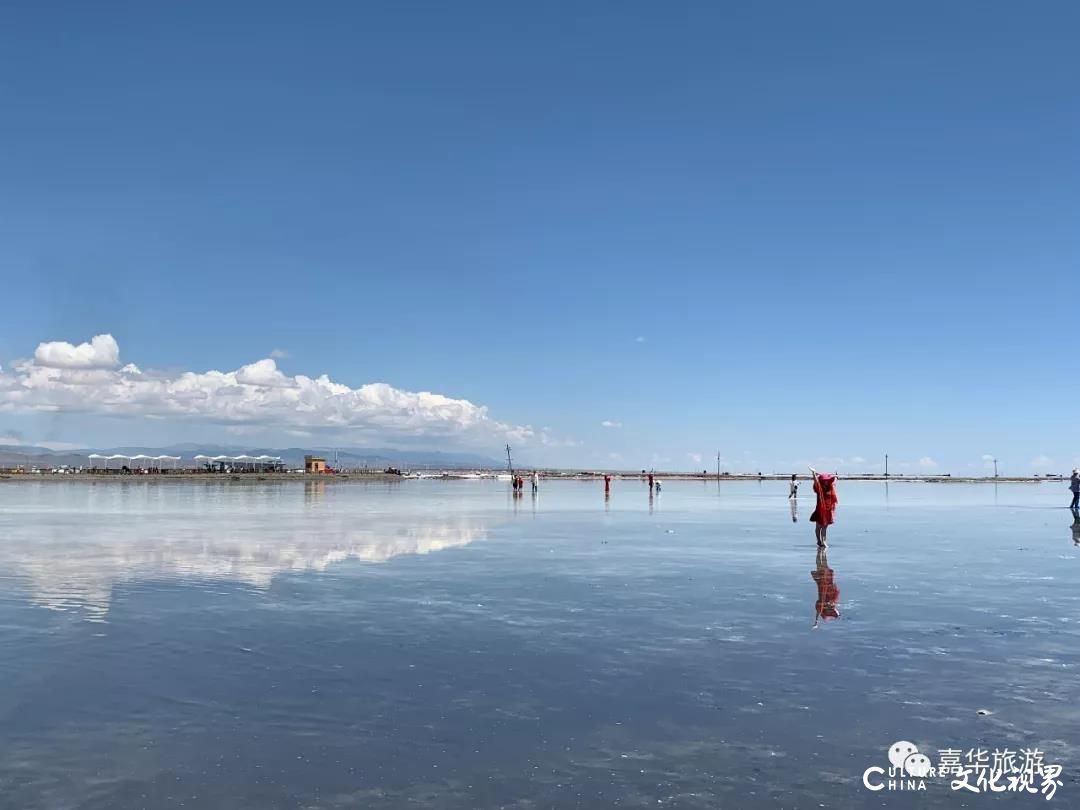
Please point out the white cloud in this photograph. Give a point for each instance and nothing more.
(278, 354)
(610, 424)
(927, 463)
(265, 373)
(1042, 463)
(84, 379)
(639, 339)
(549, 441)
(695, 457)
(101, 352)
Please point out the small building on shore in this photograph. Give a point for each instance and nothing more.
(314, 464)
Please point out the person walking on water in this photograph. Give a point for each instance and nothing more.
(822, 516)
(1074, 487)
(607, 484)
(793, 491)
(650, 482)
(535, 482)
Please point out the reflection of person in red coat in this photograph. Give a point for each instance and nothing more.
(828, 594)
(822, 516)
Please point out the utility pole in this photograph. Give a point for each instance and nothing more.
(509, 461)
(717, 465)
(995, 468)
(886, 465)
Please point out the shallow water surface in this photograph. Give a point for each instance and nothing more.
(443, 644)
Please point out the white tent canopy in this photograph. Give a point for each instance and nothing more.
(141, 459)
(241, 462)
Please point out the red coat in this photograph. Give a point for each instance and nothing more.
(825, 490)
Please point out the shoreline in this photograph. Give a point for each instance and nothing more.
(461, 475)
(182, 477)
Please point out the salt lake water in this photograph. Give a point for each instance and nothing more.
(442, 644)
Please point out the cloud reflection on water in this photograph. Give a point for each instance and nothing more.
(75, 563)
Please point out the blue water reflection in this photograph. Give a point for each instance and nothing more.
(444, 644)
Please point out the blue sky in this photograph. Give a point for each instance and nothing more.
(783, 231)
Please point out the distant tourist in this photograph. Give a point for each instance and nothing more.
(657, 485)
(793, 491)
(535, 481)
(824, 509)
(607, 484)
(1074, 486)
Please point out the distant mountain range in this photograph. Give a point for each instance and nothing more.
(348, 458)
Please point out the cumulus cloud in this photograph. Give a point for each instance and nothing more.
(608, 423)
(264, 373)
(101, 352)
(278, 354)
(85, 379)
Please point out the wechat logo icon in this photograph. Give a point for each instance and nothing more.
(906, 759)
(907, 769)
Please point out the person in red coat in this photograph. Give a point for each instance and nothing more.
(825, 509)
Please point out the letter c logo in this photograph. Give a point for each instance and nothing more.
(866, 778)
